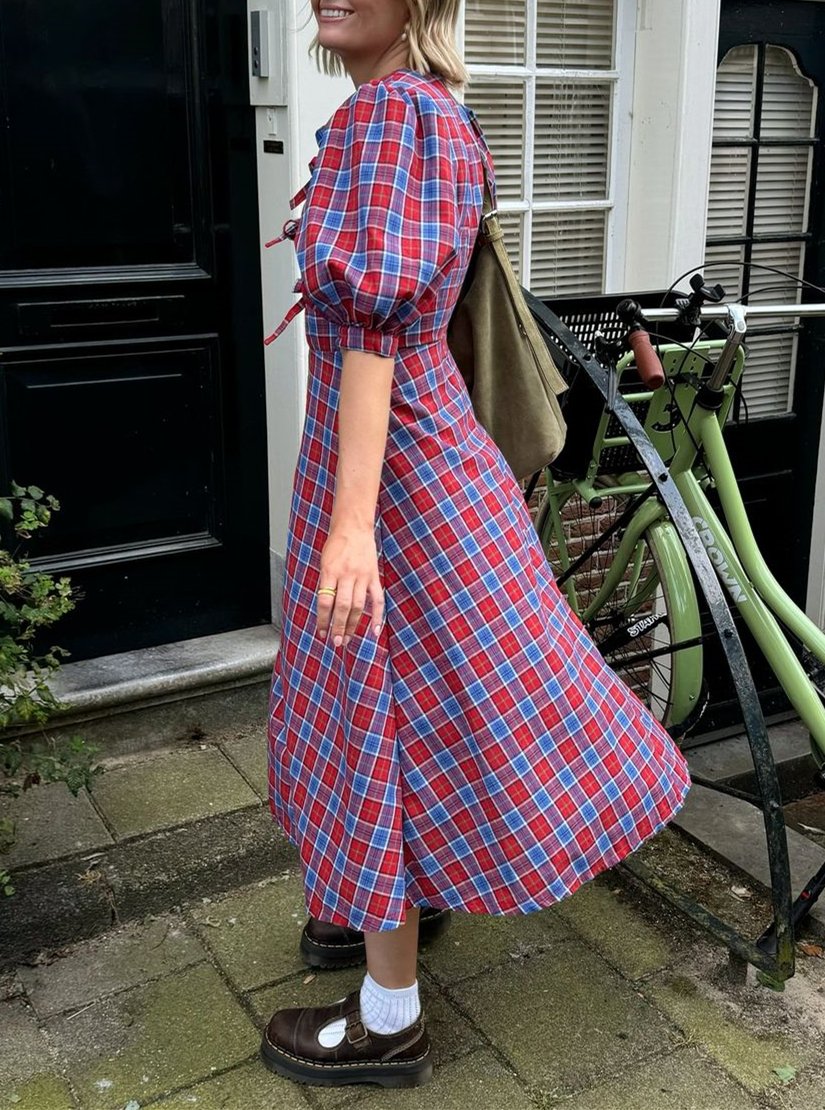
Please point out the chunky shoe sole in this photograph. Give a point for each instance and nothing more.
(407, 1073)
(328, 957)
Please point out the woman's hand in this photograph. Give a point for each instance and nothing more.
(349, 563)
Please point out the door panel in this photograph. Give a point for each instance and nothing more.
(131, 373)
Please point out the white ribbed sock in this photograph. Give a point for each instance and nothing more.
(384, 1010)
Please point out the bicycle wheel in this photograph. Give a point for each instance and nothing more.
(632, 589)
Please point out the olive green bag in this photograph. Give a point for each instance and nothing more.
(510, 375)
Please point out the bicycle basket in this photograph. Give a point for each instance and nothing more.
(587, 317)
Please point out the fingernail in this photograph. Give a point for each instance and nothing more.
(337, 641)
(322, 633)
(347, 640)
(377, 629)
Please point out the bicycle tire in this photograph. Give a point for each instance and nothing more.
(648, 629)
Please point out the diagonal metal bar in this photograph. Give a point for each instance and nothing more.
(782, 963)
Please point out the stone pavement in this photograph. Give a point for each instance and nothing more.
(608, 1001)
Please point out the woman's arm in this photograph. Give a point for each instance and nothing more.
(349, 560)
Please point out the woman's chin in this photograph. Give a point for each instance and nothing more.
(332, 39)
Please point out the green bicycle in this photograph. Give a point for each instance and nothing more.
(620, 560)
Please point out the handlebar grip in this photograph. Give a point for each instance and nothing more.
(648, 362)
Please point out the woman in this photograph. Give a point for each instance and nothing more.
(462, 745)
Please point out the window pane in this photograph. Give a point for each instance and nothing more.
(782, 190)
(500, 111)
(788, 101)
(770, 360)
(735, 87)
(494, 31)
(723, 267)
(571, 144)
(575, 34)
(729, 178)
(567, 253)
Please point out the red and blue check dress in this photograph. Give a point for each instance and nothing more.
(479, 755)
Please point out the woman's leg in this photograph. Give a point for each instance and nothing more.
(392, 955)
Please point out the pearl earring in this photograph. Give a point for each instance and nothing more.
(404, 34)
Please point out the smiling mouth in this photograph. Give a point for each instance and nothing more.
(334, 13)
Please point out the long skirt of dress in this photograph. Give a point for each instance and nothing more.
(479, 754)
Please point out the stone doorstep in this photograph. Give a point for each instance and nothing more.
(158, 696)
(166, 671)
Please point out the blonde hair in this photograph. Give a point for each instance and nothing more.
(430, 43)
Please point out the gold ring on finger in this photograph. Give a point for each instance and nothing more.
(327, 590)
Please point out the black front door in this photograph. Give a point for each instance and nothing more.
(767, 209)
(131, 368)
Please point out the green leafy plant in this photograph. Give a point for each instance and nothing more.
(31, 600)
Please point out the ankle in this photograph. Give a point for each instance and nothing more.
(388, 1010)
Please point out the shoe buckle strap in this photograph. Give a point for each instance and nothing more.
(356, 1031)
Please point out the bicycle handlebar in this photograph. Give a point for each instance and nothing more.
(648, 363)
(720, 311)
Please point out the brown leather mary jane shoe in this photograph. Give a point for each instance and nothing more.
(332, 946)
(291, 1047)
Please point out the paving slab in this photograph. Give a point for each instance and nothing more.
(249, 754)
(44, 1092)
(51, 823)
(115, 962)
(749, 1056)
(564, 1019)
(249, 1087)
(210, 857)
(254, 933)
(475, 942)
(606, 917)
(53, 905)
(806, 1092)
(153, 1039)
(680, 1081)
(171, 789)
(27, 1067)
(475, 1080)
(736, 830)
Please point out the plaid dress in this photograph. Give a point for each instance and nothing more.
(478, 755)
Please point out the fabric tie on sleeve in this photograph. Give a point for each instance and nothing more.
(289, 231)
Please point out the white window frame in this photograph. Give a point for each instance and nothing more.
(620, 79)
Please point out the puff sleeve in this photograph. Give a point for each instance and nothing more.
(380, 223)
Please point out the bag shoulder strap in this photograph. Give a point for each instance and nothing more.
(489, 206)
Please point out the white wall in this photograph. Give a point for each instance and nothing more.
(289, 108)
(670, 139)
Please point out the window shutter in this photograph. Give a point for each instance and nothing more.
(780, 205)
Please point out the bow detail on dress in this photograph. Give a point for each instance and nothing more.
(290, 231)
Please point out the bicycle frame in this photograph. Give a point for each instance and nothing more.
(743, 572)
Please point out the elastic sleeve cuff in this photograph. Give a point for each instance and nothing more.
(351, 337)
